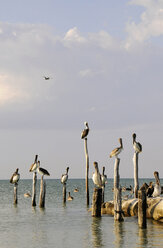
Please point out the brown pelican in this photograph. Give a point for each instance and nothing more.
(70, 198)
(97, 176)
(15, 177)
(117, 150)
(137, 146)
(150, 189)
(157, 187)
(103, 177)
(34, 165)
(85, 131)
(42, 171)
(64, 177)
(26, 195)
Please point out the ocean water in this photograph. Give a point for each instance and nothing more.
(71, 225)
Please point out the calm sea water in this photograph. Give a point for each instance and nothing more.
(70, 225)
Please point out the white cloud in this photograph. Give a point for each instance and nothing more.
(73, 37)
(151, 24)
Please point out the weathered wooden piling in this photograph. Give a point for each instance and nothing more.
(42, 193)
(87, 171)
(96, 202)
(136, 179)
(142, 206)
(116, 173)
(117, 193)
(15, 194)
(64, 193)
(34, 189)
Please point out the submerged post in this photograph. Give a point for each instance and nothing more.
(136, 180)
(87, 170)
(42, 192)
(117, 193)
(34, 189)
(96, 202)
(64, 193)
(15, 194)
(142, 206)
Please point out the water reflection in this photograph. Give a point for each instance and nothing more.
(96, 232)
(119, 234)
(143, 238)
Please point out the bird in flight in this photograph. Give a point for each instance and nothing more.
(46, 78)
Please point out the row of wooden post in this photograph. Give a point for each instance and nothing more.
(140, 194)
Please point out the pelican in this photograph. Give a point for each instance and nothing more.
(70, 198)
(117, 150)
(76, 190)
(15, 177)
(103, 177)
(64, 177)
(157, 187)
(34, 165)
(26, 195)
(150, 189)
(42, 171)
(85, 131)
(137, 146)
(97, 176)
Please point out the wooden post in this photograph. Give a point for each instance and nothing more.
(116, 173)
(142, 205)
(103, 193)
(118, 205)
(96, 202)
(117, 193)
(15, 194)
(136, 180)
(87, 170)
(42, 193)
(64, 193)
(34, 189)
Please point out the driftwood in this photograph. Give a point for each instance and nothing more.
(64, 193)
(142, 206)
(136, 179)
(130, 208)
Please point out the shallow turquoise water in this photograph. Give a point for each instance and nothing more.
(70, 225)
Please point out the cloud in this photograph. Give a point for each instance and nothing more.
(73, 37)
(150, 25)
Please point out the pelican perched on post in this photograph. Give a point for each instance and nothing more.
(137, 146)
(34, 165)
(64, 177)
(42, 171)
(85, 131)
(15, 177)
(97, 176)
(117, 150)
(103, 177)
(157, 187)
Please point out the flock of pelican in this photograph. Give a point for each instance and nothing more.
(99, 179)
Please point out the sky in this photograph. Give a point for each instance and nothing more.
(104, 59)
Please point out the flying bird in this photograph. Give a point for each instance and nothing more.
(64, 177)
(46, 78)
(42, 171)
(97, 176)
(137, 146)
(85, 131)
(15, 177)
(117, 150)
